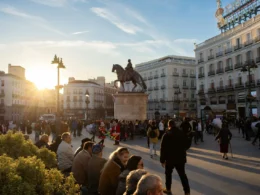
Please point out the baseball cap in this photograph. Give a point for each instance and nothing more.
(97, 148)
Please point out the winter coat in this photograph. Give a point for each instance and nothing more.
(224, 136)
(153, 140)
(173, 147)
(121, 188)
(109, 178)
(95, 166)
(80, 167)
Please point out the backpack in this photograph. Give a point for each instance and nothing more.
(152, 133)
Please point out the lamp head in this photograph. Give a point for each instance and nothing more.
(60, 64)
(55, 60)
(244, 69)
(253, 64)
(87, 93)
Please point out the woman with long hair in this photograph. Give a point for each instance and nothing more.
(113, 168)
(134, 162)
(224, 136)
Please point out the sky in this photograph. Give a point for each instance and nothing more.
(92, 35)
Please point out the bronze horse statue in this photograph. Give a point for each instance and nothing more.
(123, 76)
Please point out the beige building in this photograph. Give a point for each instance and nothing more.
(99, 103)
(171, 85)
(220, 82)
(17, 95)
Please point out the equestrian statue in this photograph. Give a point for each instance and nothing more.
(128, 74)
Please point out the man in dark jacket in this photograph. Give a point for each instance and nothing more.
(173, 155)
(95, 165)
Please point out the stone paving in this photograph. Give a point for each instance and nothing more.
(208, 173)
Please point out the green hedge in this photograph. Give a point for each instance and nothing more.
(27, 170)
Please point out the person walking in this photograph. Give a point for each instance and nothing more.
(161, 129)
(153, 134)
(200, 132)
(173, 155)
(224, 136)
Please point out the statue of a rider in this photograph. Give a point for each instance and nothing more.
(129, 69)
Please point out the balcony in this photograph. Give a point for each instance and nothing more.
(231, 101)
(185, 99)
(176, 86)
(238, 65)
(193, 100)
(213, 102)
(192, 76)
(248, 42)
(175, 74)
(229, 68)
(210, 57)
(155, 100)
(156, 88)
(257, 39)
(228, 50)
(177, 100)
(2, 94)
(163, 87)
(201, 92)
(150, 77)
(211, 73)
(220, 71)
(237, 47)
(145, 78)
(252, 83)
(258, 82)
(219, 54)
(193, 87)
(220, 89)
(163, 75)
(239, 85)
(200, 60)
(248, 62)
(185, 87)
(241, 100)
(222, 101)
(185, 75)
(201, 75)
(211, 90)
(150, 89)
(163, 108)
(156, 77)
(229, 87)
(162, 100)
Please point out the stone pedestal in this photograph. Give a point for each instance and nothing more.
(130, 106)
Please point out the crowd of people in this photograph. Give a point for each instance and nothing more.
(121, 173)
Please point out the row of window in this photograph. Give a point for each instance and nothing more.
(81, 105)
(175, 70)
(247, 40)
(229, 62)
(230, 82)
(81, 98)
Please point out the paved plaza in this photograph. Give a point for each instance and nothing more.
(208, 173)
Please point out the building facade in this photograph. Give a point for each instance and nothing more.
(17, 95)
(171, 85)
(98, 103)
(221, 84)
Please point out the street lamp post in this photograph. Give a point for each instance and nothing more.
(87, 102)
(178, 100)
(247, 68)
(60, 64)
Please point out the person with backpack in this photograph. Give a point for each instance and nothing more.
(173, 155)
(153, 134)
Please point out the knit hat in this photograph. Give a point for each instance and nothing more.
(97, 148)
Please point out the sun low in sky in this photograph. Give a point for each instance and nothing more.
(44, 77)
